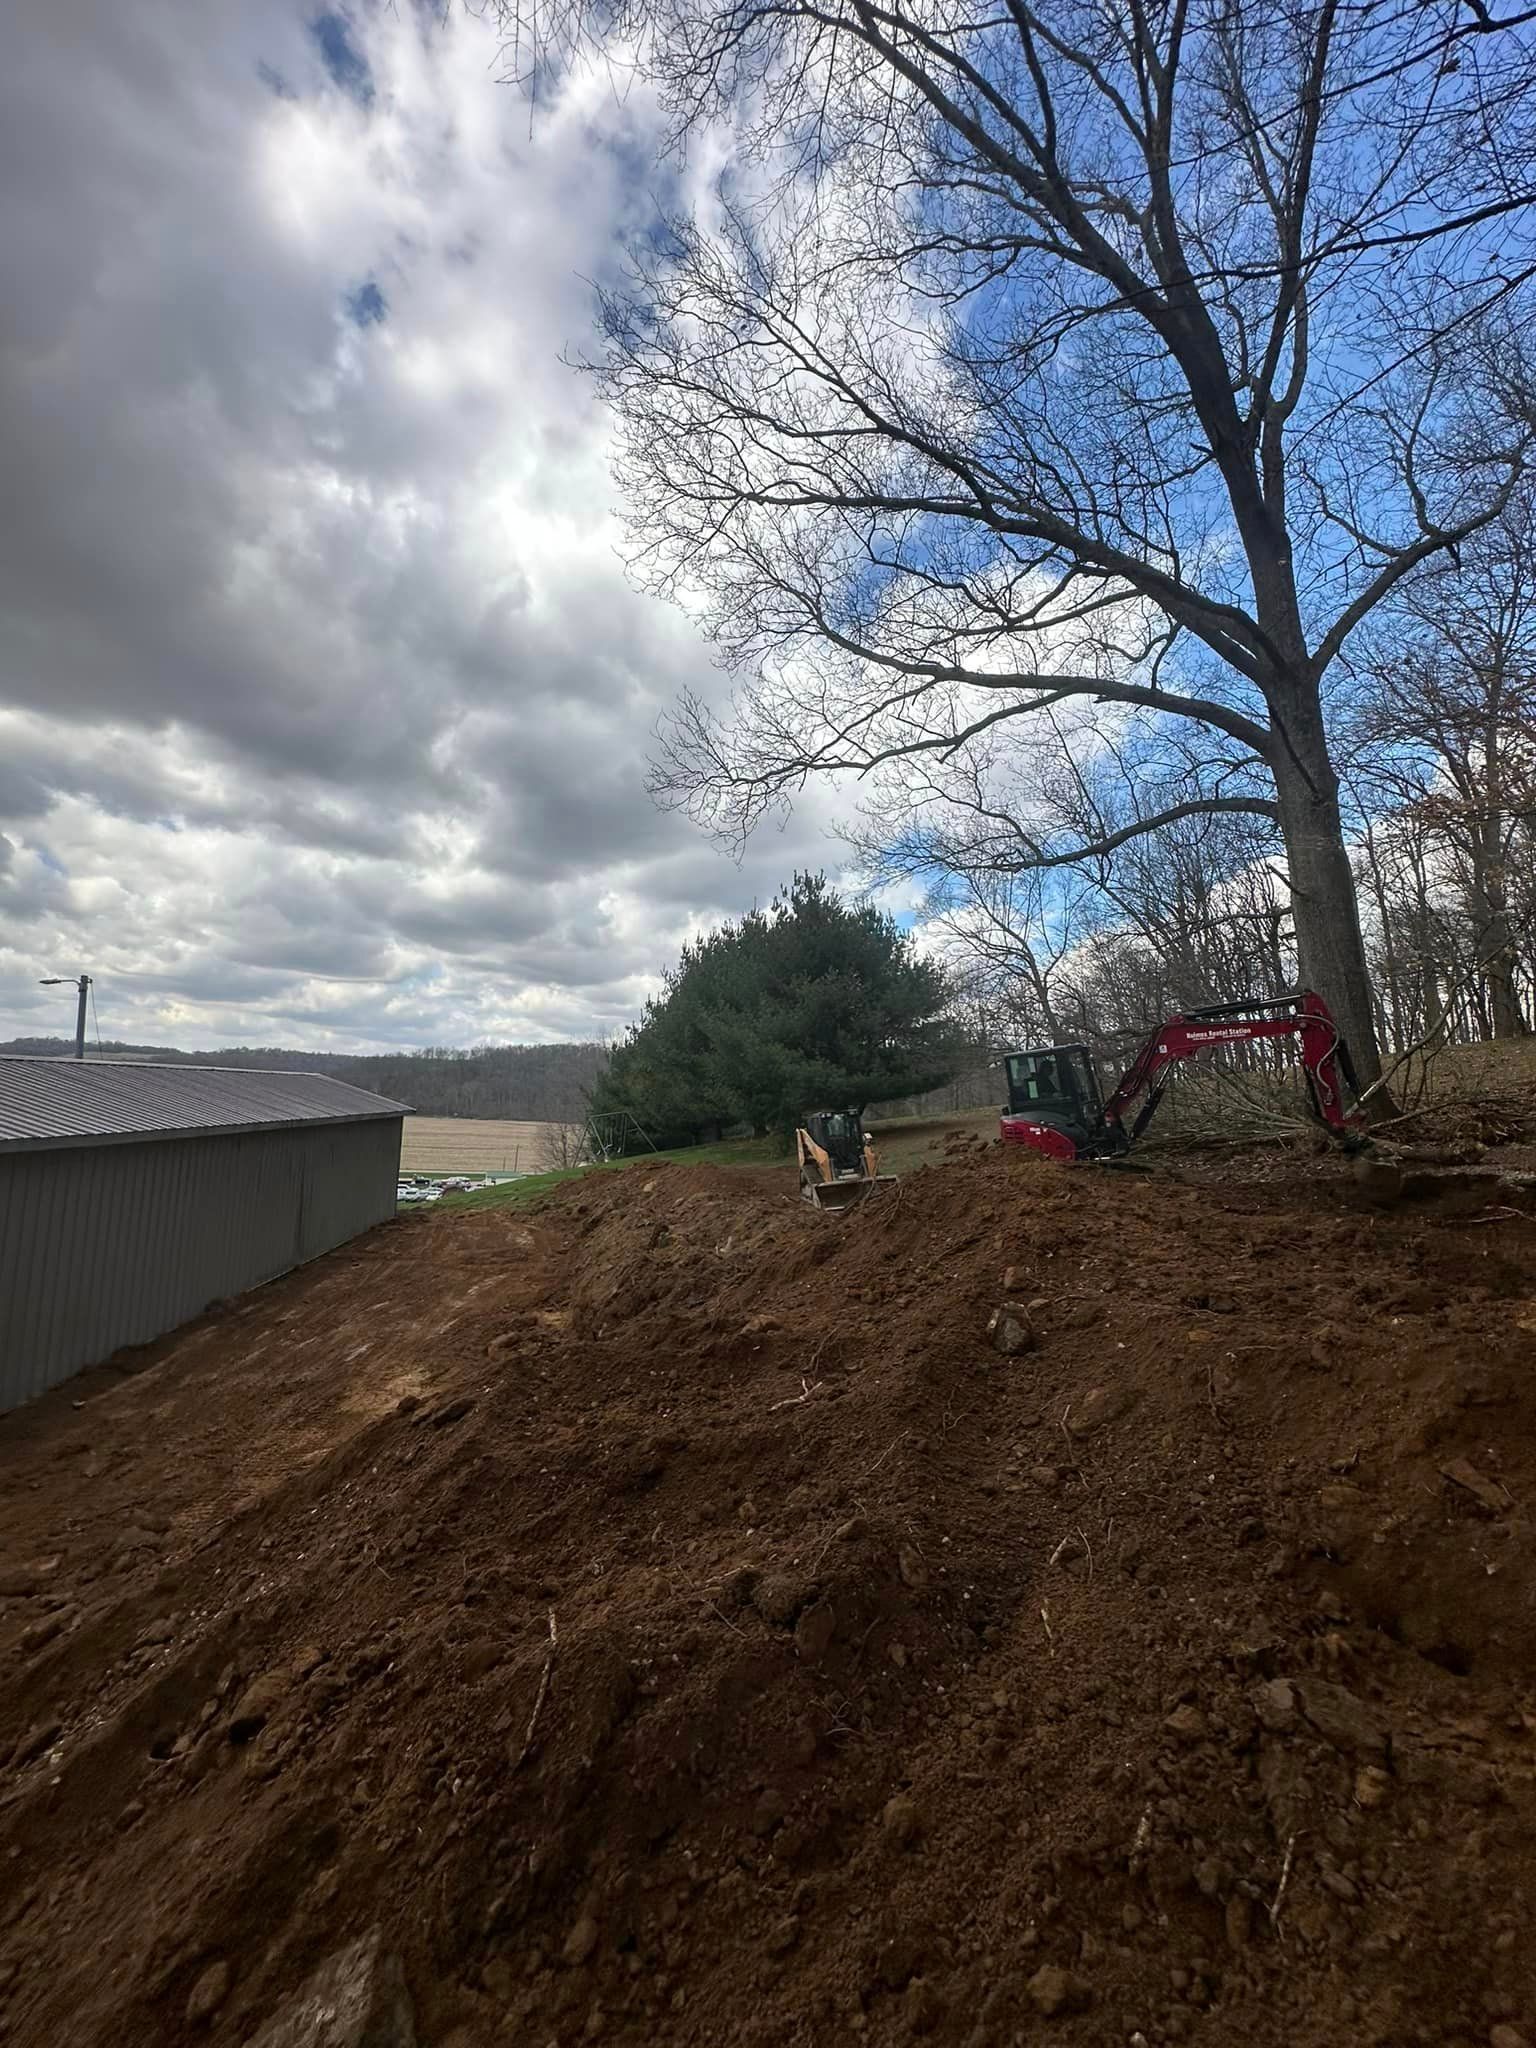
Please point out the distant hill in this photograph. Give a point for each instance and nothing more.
(544, 1083)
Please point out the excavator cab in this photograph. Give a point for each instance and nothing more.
(1054, 1102)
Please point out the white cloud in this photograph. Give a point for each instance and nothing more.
(327, 698)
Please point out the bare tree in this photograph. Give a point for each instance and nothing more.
(563, 1145)
(1131, 352)
(1043, 930)
(1447, 740)
(1007, 938)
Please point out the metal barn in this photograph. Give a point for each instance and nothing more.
(132, 1196)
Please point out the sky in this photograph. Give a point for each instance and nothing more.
(324, 698)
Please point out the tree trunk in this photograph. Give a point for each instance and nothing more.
(1390, 1011)
(1493, 939)
(1503, 994)
(1330, 947)
(1435, 1010)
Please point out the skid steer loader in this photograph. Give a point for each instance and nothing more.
(838, 1165)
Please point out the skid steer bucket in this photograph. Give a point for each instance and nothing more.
(842, 1194)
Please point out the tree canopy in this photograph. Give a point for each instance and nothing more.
(813, 1003)
(1127, 355)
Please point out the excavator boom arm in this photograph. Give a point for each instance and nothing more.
(1324, 1056)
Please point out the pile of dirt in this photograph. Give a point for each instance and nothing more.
(1038, 1605)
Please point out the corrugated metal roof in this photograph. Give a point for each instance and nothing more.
(46, 1102)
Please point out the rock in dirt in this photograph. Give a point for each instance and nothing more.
(1010, 1331)
(1276, 1705)
(1053, 1990)
(356, 1999)
(913, 1571)
(34, 1742)
(1461, 1472)
(779, 1598)
(27, 1581)
(1342, 1499)
(480, 1656)
(1372, 1784)
(580, 1942)
(257, 1705)
(452, 1411)
(736, 1589)
(814, 1632)
(901, 1822)
(42, 1633)
(1342, 1719)
(1506, 2037)
(208, 1993)
(1101, 1405)
(1186, 1724)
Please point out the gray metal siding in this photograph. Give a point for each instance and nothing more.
(116, 1244)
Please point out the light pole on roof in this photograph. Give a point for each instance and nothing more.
(83, 983)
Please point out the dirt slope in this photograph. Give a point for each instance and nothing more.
(1155, 1679)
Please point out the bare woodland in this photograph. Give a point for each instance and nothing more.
(1097, 437)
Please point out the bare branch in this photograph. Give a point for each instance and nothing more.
(1202, 807)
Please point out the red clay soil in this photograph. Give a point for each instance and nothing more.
(671, 1619)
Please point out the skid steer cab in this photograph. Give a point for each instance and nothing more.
(838, 1164)
(1055, 1105)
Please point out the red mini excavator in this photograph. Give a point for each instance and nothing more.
(1055, 1104)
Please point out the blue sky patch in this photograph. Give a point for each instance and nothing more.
(367, 306)
(346, 64)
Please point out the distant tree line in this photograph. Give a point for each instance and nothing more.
(542, 1083)
(1444, 764)
(811, 1004)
